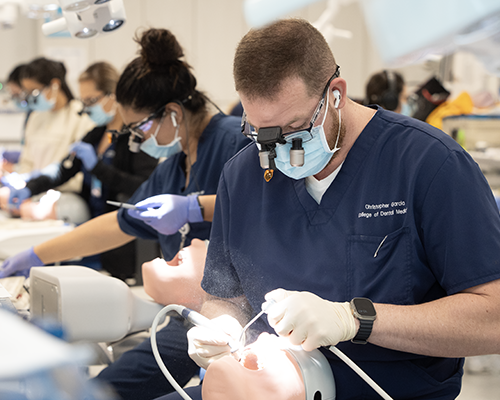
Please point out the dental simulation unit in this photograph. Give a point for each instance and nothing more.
(317, 375)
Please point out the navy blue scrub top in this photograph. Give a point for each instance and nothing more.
(220, 141)
(409, 219)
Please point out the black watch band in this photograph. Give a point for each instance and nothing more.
(364, 311)
(365, 329)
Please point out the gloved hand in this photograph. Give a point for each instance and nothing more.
(17, 196)
(14, 180)
(206, 345)
(309, 320)
(167, 213)
(20, 263)
(86, 153)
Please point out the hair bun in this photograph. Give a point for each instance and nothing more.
(159, 48)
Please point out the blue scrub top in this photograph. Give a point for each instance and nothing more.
(409, 219)
(220, 141)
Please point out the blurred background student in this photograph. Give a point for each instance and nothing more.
(13, 86)
(110, 170)
(388, 90)
(54, 124)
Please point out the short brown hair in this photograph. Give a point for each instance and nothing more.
(103, 74)
(287, 48)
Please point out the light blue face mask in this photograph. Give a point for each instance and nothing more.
(153, 149)
(317, 153)
(40, 101)
(21, 105)
(406, 109)
(99, 116)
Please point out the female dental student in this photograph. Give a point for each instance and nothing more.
(54, 124)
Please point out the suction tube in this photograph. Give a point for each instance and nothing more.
(156, 353)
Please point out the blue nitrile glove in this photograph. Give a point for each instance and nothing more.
(86, 153)
(20, 263)
(167, 213)
(17, 196)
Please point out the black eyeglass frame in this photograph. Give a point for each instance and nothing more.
(93, 100)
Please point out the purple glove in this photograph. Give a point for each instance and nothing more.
(86, 153)
(17, 196)
(20, 263)
(167, 213)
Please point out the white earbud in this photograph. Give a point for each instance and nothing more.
(337, 96)
(172, 117)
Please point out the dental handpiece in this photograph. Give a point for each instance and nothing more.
(199, 320)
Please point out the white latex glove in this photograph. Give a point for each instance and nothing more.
(309, 320)
(207, 345)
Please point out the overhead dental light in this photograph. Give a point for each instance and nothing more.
(87, 18)
(10, 10)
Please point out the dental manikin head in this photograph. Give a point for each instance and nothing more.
(177, 281)
(266, 371)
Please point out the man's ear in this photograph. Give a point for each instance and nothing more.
(339, 90)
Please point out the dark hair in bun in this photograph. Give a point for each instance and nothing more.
(159, 76)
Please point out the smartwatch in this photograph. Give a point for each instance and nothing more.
(363, 309)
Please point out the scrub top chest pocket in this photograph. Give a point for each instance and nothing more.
(379, 267)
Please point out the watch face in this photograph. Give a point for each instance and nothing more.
(364, 307)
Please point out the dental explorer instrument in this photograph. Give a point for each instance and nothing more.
(264, 309)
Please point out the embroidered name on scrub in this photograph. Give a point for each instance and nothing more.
(384, 209)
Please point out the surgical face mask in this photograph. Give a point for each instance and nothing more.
(99, 116)
(406, 109)
(317, 152)
(39, 102)
(21, 105)
(153, 149)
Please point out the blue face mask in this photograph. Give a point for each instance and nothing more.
(40, 101)
(21, 105)
(406, 109)
(153, 149)
(99, 116)
(317, 152)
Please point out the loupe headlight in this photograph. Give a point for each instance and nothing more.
(297, 153)
(267, 138)
(134, 141)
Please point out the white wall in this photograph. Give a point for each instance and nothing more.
(209, 31)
